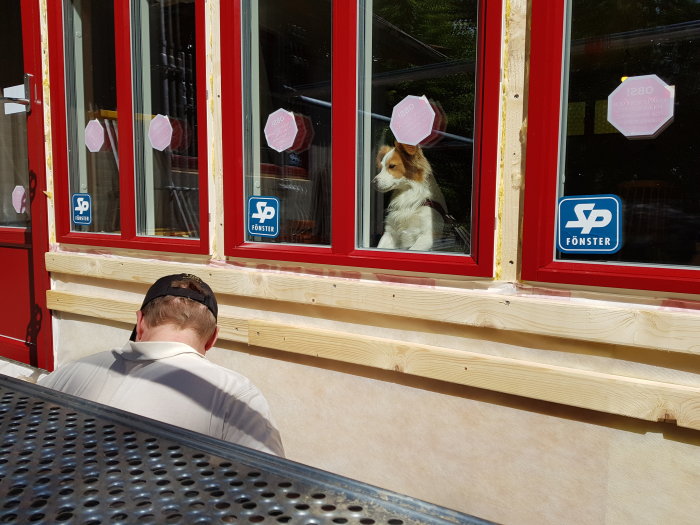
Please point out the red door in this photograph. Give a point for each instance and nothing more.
(25, 324)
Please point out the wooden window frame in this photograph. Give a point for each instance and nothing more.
(343, 250)
(128, 237)
(543, 142)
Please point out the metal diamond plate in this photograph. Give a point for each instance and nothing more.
(66, 460)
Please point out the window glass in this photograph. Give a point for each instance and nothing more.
(165, 118)
(287, 119)
(417, 79)
(14, 183)
(630, 126)
(92, 125)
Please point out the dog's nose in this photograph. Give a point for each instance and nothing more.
(377, 185)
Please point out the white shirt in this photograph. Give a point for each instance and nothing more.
(173, 383)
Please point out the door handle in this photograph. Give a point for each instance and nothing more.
(25, 101)
(13, 100)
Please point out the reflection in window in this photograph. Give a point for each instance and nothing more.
(14, 183)
(425, 51)
(91, 98)
(287, 97)
(655, 175)
(165, 118)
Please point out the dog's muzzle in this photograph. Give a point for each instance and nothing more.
(379, 184)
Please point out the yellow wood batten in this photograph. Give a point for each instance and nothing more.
(618, 324)
(639, 398)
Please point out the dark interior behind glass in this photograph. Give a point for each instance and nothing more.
(657, 179)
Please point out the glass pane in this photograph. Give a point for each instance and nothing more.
(165, 121)
(287, 94)
(631, 126)
(14, 187)
(91, 100)
(417, 87)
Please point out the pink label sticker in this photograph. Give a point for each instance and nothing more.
(281, 130)
(19, 199)
(160, 132)
(412, 120)
(641, 107)
(94, 136)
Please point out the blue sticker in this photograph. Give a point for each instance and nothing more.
(82, 208)
(263, 216)
(589, 224)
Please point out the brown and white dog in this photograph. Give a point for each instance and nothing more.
(416, 213)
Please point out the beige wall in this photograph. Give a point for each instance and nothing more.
(499, 457)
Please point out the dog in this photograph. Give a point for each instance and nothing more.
(417, 211)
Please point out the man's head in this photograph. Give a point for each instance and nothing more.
(180, 302)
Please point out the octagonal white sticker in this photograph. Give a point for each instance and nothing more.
(641, 107)
(281, 130)
(19, 199)
(94, 136)
(412, 120)
(160, 132)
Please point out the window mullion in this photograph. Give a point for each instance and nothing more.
(344, 126)
(126, 120)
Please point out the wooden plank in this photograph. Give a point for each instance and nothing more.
(98, 307)
(510, 176)
(643, 399)
(233, 329)
(230, 329)
(214, 130)
(629, 325)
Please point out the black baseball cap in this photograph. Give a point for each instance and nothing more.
(164, 287)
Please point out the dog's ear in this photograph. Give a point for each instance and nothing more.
(407, 148)
(380, 155)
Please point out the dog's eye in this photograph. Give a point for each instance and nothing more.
(392, 166)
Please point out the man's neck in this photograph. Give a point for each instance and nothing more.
(170, 333)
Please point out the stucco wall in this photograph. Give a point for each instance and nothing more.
(499, 457)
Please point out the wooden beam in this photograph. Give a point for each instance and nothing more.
(628, 325)
(510, 175)
(98, 307)
(639, 398)
(230, 329)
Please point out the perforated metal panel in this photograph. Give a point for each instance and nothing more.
(65, 460)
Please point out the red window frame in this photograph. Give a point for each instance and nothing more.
(128, 238)
(343, 250)
(543, 142)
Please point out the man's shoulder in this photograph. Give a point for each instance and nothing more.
(84, 367)
(227, 379)
(96, 358)
(223, 373)
(104, 354)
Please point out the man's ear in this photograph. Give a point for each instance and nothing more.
(139, 325)
(212, 339)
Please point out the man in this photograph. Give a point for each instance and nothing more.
(161, 373)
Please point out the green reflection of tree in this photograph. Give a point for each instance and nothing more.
(430, 48)
(656, 177)
(602, 17)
